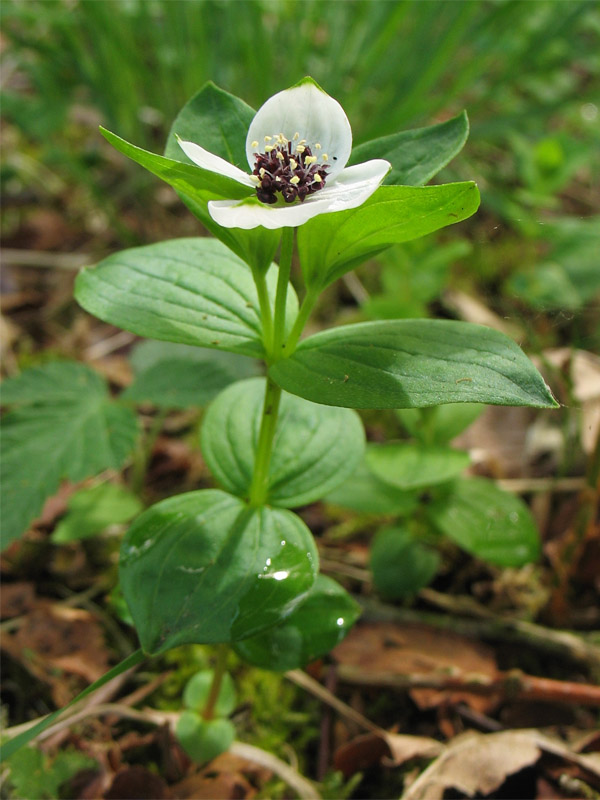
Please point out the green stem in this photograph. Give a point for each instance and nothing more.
(283, 279)
(208, 711)
(305, 309)
(265, 309)
(260, 479)
(144, 452)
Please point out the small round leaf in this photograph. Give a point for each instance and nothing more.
(400, 564)
(197, 690)
(204, 739)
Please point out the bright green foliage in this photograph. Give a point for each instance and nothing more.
(204, 739)
(64, 426)
(412, 363)
(401, 564)
(34, 774)
(439, 424)
(190, 291)
(416, 155)
(316, 447)
(415, 466)
(91, 511)
(365, 493)
(332, 244)
(202, 567)
(197, 691)
(412, 276)
(488, 522)
(312, 630)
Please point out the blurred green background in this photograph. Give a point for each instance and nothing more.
(527, 73)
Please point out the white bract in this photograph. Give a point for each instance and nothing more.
(297, 148)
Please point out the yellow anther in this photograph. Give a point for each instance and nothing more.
(255, 178)
(281, 139)
(262, 172)
(317, 178)
(280, 156)
(293, 164)
(277, 178)
(317, 146)
(300, 148)
(268, 148)
(310, 159)
(325, 157)
(254, 144)
(268, 138)
(296, 136)
(295, 180)
(302, 141)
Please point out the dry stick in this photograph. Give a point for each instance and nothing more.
(314, 687)
(511, 685)
(563, 643)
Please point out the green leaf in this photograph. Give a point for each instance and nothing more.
(332, 244)
(178, 383)
(204, 739)
(400, 564)
(365, 493)
(190, 291)
(440, 424)
(199, 184)
(146, 354)
(415, 466)
(417, 155)
(219, 122)
(487, 522)
(204, 568)
(91, 511)
(197, 690)
(311, 631)
(65, 426)
(412, 364)
(315, 447)
(34, 774)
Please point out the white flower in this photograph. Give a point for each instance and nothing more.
(297, 147)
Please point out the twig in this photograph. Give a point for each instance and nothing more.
(303, 788)
(512, 685)
(525, 485)
(563, 643)
(314, 687)
(109, 345)
(37, 258)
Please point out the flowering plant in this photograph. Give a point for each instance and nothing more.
(234, 565)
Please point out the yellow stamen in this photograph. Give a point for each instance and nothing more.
(296, 136)
(254, 144)
(295, 180)
(300, 148)
(317, 146)
(262, 172)
(268, 148)
(325, 157)
(293, 164)
(255, 178)
(317, 178)
(280, 156)
(268, 138)
(310, 159)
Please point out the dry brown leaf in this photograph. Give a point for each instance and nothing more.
(16, 599)
(391, 749)
(385, 647)
(138, 782)
(475, 763)
(54, 638)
